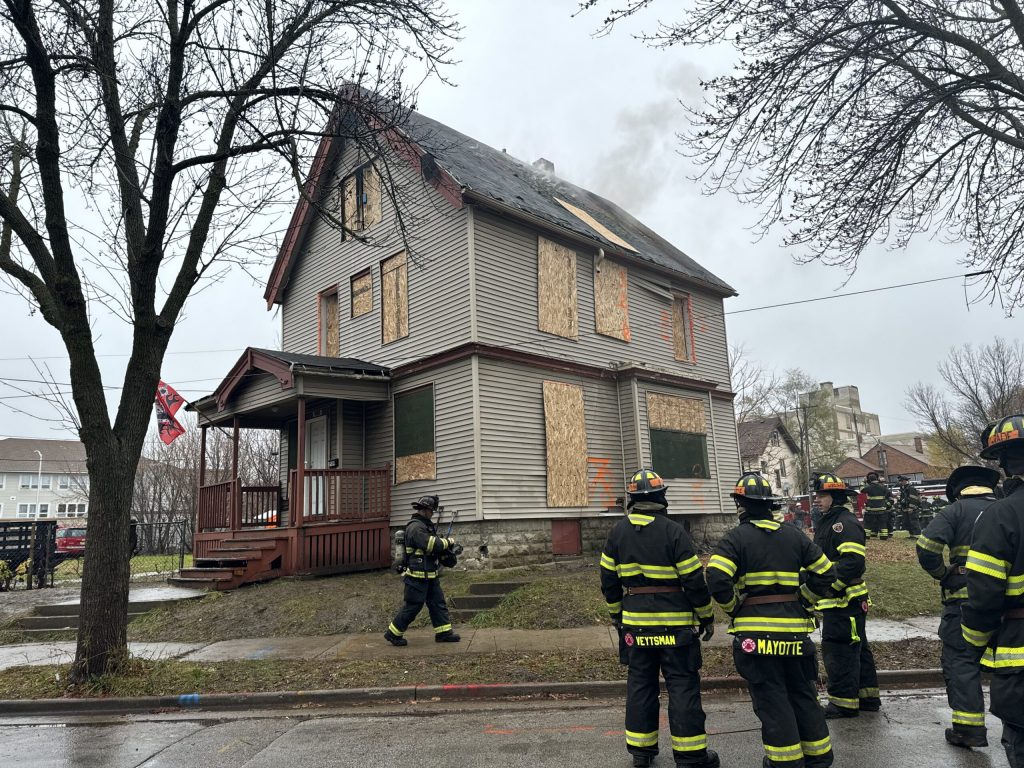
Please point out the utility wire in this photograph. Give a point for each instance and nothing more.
(858, 293)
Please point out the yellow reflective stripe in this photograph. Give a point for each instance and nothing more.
(782, 754)
(421, 574)
(820, 566)
(769, 624)
(688, 566)
(637, 739)
(768, 578)
(929, 546)
(852, 546)
(637, 519)
(665, 619)
(395, 630)
(1015, 586)
(648, 571)
(1003, 657)
(730, 606)
(607, 562)
(431, 540)
(845, 703)
(858, 590)
(960, 551)
(974, 637)
(958, 594)
(968, 718)
(867, 693)
(689, 743)
(723, 564)
(615, 607)
(815, 748)
(442, 628)
(854, 637)
(991, 566)
(768, 525)
(705, 611)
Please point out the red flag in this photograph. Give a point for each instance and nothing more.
(167, 404)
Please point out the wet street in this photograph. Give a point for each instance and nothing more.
(906, 734)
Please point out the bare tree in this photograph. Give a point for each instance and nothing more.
(157, 133)
(983, 384)
(754, 384)
(858, 121)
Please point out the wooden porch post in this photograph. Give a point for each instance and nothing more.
(234, 449)
(202, 456)
(299, 491)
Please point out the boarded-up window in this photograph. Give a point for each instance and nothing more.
(414, 435)
(611, 301)
(394, 280)
(329, 341)
(362, 293)
(682, 328)
(556, 289)
(678, 436)
(566, 432)
(361, 199)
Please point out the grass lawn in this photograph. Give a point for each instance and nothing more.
(71, 569)
(155, 678)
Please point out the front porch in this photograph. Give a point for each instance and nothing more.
(320, 519)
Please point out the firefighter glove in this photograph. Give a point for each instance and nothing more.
(707, 629)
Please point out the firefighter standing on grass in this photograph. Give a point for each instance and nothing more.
(849, 663)
(969, 490)
(423, 549)
(653, 584)
(910, 507)
(876, 508)
(993, 616)
(754, 574)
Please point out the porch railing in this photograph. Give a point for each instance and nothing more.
(215, 504)
(343, 495)
(261, 506)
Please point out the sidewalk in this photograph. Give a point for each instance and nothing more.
(421, 643)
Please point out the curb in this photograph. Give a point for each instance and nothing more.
(414, 693)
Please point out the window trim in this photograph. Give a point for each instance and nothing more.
(707, 456)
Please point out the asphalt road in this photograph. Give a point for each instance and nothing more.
(906, 734)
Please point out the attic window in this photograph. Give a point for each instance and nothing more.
(682, 328)
(556, 289)
(328, 343)
(394, 297)
(360, 200)
(775, 439)
(611, 300)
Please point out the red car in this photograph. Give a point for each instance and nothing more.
(71, 541)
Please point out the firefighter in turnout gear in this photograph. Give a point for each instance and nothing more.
(423, 549)
(993, 616)
(969, 490)
(755, 574)
(653, 584)
(876, 508)
(849, 663)
(910, 507)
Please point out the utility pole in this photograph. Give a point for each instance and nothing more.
(35, 523)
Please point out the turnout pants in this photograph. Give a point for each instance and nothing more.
(876, 524)
(849, 663)
(1007, 692)
(911, 520)
(681, 669)
(782, 689)
(962, 673)
(420, 592)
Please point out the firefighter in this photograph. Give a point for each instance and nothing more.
(754, 574)
(423, 549)
(655, 590)
(993, 616)
(969, 490)
(849, 663)
(910, 507)
(876, 508)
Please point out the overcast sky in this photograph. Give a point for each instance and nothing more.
(534, 81)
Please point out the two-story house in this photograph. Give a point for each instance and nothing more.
(516, 344)
(42, 479)
(766, 446)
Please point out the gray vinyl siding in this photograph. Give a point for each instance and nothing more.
(351, 439)
(438, 276)
(514, 448)
(453, 442)
(506, 301)
(254, 395)
(686, 495)
(727, 444)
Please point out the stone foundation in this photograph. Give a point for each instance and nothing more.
(509, 543)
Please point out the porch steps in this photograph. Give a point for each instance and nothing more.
(482, 597)
(246, 559)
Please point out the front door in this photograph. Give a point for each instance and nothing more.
(316, 459)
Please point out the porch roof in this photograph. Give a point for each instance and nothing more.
(263, 388)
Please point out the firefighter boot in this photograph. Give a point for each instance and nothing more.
(967, 737)
(832, 712)
(711, 761)
(446, 637)
(642, 761)
(396, 640)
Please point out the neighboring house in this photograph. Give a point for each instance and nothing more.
(889, 461)
(855, 427)
(536, 346)
(56, 487)
(766, 446)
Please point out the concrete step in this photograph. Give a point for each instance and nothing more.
(478, 602)
(463, 615)
(50, 634)
(55, 622)
(69, 609)
(495, 587)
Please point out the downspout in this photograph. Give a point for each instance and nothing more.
(636, 422)
(622, 441)
(478, 482)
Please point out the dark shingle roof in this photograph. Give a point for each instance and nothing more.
(754, 436)
(504, 179)
(318, 363)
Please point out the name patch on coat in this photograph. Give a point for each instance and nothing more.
(651, 641)
(766, 647)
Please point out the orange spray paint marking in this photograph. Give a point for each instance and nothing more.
(601, 481)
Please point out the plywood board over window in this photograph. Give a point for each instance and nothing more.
(362, 293)
(682, 328)
(683, 414)
(350, 203)
(611, 300)
(371, 197)
(556, 289)
(329, 340)
(394, 298)
(415, 458)
(566, 433)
